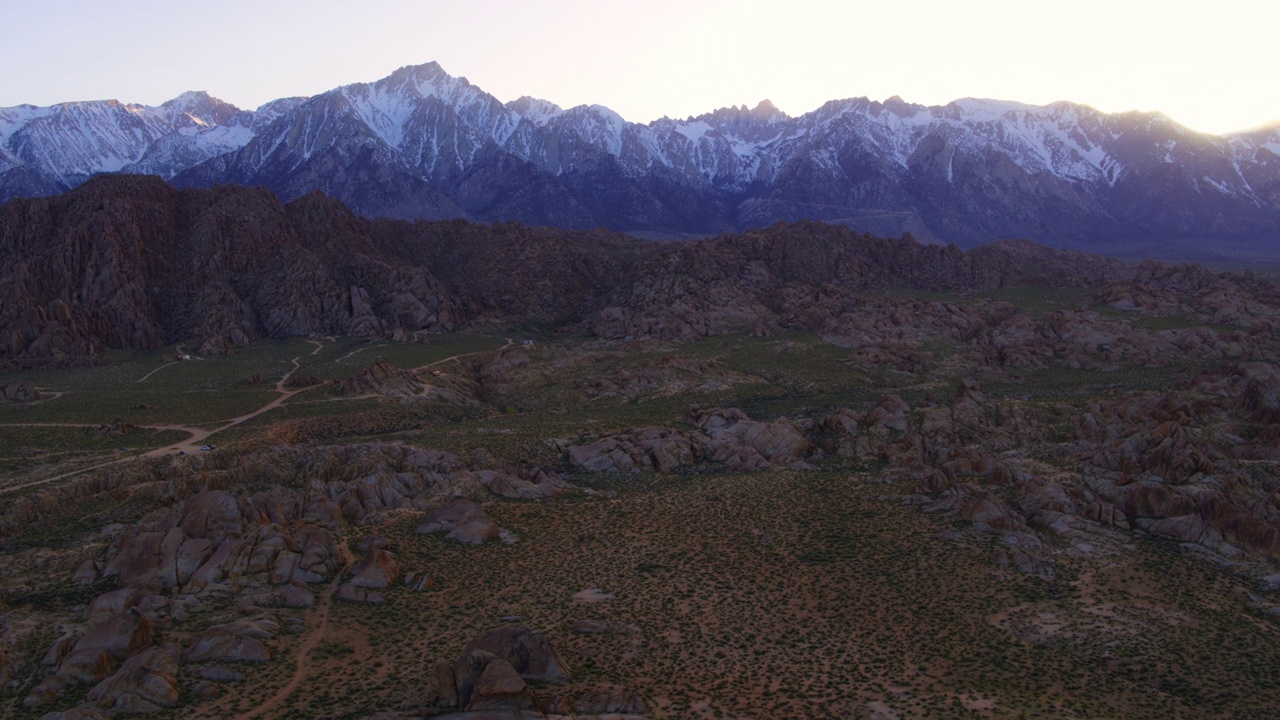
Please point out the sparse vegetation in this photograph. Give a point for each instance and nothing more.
(817, 590)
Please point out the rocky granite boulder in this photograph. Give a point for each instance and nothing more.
(727, 436)
(463, 520)
(93, 656)
(229, 644)
(210, 537)
(608, 698)
(19, 392)
(660, 449)
(145, 683)
(486, 682)
(490, 679)
(77, 668)
(351, 593)
(521, 483)
(528, 651)
(378, 569)
(383, 378)
(122, 635)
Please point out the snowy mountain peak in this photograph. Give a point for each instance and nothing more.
(597, 125)
(900, 107)
(1146, 118)
(389, 106)
(190, 98)
(989, 108)
(199, 107)
(605, 112)
(406, 86)
(275, 108)
(537, 111)
(736, 119)
(766, 111)
(427, 70)
(428, 80)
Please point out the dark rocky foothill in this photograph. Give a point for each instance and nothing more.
(129, 262)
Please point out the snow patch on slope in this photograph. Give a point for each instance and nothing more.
(537, 111)
(986, 109)
(14, 118)
(693, 131)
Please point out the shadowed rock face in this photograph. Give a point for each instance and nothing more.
(133, 263)
(528, 651)
(464, 520)
(377, 570)
(144, 683)
(129, 262)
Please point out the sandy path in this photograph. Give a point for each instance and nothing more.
(462, 355)
(153, 372)
(359, 350)
(196, 435)
(181, 354)
(308, 643)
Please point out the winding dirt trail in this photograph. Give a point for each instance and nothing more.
(153, 372)
(199, 435)
(196, 435)
(308, 644)
(183, 356)
(359, 350)
(466, 354)
(46, 396)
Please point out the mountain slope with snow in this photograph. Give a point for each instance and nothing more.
(423, 144)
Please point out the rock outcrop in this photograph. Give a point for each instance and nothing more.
(463, 520)
(1150, 461)
(493, 672)
(528, 651)
(726, 436)
(144, 281)
(145, 683)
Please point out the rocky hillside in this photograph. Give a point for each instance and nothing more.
(130, 262)
(421, 144)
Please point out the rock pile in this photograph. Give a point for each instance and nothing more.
(726, 436)
(1149, 461)
(491, 680)
(259, 549)
(463, 520)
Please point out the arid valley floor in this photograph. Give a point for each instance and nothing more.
(1031, 502)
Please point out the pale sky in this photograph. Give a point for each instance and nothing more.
(1210, 65)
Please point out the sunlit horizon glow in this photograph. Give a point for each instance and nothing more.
(1206, 65)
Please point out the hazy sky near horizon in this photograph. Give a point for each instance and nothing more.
(1209, 65)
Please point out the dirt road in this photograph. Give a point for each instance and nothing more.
(197, 436)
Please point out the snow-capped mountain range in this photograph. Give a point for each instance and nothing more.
(423, 144)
